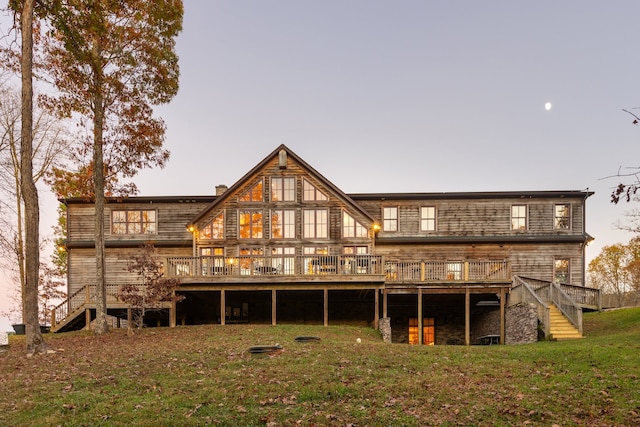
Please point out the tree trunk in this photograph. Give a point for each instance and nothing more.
(101, 325)
(35, 342)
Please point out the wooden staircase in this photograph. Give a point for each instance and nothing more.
(560, 328)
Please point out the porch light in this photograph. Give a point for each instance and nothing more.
(62, 248)
(191, 229)
(376, 227)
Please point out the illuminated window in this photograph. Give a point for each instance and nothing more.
(283, 224)
(390, 219)
(283, 189)
(283, 259)
(212, 261)
(428, 218)
(355, 250)
(250, 224)
(428, 331)
(253, 194)
(562, 217)
(133, 222)
(310, 193)
(519, 217)
(561, 270)
(316, 224)
(214, 229)
(351, 227)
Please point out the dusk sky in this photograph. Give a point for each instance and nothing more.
(408, 96)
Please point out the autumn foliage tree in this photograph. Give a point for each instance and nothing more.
(111, 61)
(151, 291)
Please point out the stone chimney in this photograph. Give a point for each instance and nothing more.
(220, 189)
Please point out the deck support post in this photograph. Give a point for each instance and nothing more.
(172, 314)
(87, 318)
(420, 318)
(502, 315)
(376, 304)
(467, 317)
(326, 306)
(384, 303)
(273, 307)
(222, 307)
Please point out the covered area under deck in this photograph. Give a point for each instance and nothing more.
(316, 304)
(446, 314)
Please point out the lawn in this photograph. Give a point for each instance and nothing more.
(204, 375)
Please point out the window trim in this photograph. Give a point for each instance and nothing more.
(526, 217)
(140, 223)
(283, 190)
(556, 217)
(390, 221)
(424, 219)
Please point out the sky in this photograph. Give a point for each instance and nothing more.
(407, 96)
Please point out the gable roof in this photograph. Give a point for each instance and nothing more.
(257, 168)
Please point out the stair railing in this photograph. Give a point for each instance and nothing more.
(522, 293)
(69, 305)
(566, 305)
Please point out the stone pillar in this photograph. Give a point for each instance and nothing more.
(385, 329)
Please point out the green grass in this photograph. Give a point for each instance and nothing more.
(204, 375)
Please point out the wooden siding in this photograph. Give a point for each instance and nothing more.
(475, 217)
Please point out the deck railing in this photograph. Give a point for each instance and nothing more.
(581, 295)
(446, 271)
(84, 295)
(281, 265)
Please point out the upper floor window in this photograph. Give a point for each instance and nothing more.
(316, 224)
(351, 227)
(214, 229)
(390, 218)
(133, 222)
(428, 218)
(310, 193)
(562, 217)
(283, 224)
(250, 224)
(283, 189)
(519, 217)
(253, 194)
(561, 270)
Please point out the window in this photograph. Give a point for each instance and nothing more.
(315, 224)
(428, 218)
(390, 219)
(562, 217)
(352, 228)
(250, 224)
(250, 259)
(253, 194)
(283, 224)
(310, 193)
(355, 250)
(214, 229)
(519, 217)
(454, 271)
(561, 270)
(133, 222)
(283, 189)
(212, 260)
(283, 259)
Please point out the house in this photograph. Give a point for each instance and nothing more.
(284, 244)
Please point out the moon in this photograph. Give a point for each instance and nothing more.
(547, 106)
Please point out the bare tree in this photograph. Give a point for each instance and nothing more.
(49, 149)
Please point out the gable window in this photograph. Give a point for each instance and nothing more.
(519, 217)
(390, 218)
(428, 218)
(283, 224)
(214, 229)
(253, 194)
(351, 227)
(250, 224)
(283, 189)
(133, 222)
(561, 217)
(561, 270)
(310, 193)
(316, 224)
